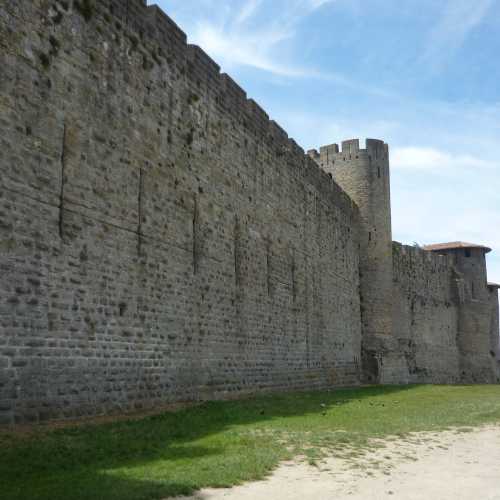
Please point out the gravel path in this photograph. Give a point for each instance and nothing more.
(452, 465)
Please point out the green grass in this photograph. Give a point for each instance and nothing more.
(225, 443)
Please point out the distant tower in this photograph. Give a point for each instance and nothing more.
(477, 352)
(364, 175)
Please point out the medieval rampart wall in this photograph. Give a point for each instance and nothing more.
(425, 314)
(160, 238)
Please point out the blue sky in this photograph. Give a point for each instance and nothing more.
(424, 75)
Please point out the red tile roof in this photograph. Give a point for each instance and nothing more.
(454, 246)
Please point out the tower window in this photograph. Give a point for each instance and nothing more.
(467, 253)
(378, 172)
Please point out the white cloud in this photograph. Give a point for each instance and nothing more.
(245, 38)
(247, 48)
(440, 214)
(257, 48)
(460, 18)
(248, 10)
(316, 4)
(434, 159)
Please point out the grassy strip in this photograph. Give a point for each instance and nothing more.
(225, 443)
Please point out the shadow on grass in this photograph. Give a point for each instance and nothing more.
(214, 444)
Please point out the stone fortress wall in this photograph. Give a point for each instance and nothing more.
(162, 240)
(365, 176)
(443, 308)
(425, 313)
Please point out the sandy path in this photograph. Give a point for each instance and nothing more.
(437, 466)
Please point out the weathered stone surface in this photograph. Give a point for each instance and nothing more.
(162, 240)
(365, 176)
(426, 312)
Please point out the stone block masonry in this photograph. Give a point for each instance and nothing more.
(160, 238)
(425, 314)
(364, 175)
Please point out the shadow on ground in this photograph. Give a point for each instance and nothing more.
(214, 444)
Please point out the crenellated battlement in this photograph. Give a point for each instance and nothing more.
(350, 149)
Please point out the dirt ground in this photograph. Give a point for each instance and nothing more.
(455, 465)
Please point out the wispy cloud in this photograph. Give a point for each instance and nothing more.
(316, 4)
(257, 49)
(422, 158)
(245, 38)
(249, 9)
(246, 48)
(459, 19)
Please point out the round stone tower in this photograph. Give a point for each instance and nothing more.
(364, 175)
(477, 353)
